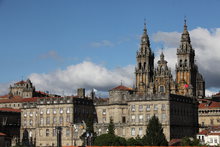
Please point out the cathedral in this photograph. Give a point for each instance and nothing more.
(174, 102)
(156, 92)
(150, 80)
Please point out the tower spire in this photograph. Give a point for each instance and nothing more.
(162, 56)
(145, 38)
(185, 35)
(185, 26)
(145, 28)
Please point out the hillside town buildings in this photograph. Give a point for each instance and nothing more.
(156, 92)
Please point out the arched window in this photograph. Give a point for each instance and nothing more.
(180, 63)
(161, 89)
(185, 63)
(144, 65)
(139, 67)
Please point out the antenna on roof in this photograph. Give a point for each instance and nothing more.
(121, 83)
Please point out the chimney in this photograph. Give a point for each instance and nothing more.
(81, 92)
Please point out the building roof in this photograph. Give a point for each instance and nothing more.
(4, 96)
(209, 104)
(121, 87)
(214, 133)
(15, 99)
(10, 110)
(20, 82)
(32, 99)
(42, 93)
(203, 132)
(2, 134)
(174, 142)
(214, 130)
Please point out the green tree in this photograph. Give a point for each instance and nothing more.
(110, 139)
(187, 141)
(134, 141)
(111, 127)
(154, 134)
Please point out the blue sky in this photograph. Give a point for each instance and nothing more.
(43, 36)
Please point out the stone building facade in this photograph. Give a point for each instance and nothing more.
(41, 117)
(24, 89)
(209, 114)
(156, 93)
(131, 113)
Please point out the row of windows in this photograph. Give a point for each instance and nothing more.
(213, 140)
(53, 132)
(47, 121)
(55, 120)
(26, 123)
(140, 118)
(48, 111)
(55, 111)
(147, 107)
(55, 101)
(133, 132)
(209, 111)
(11, 105)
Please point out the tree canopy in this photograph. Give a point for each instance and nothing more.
(110, 139)
(154, 134)
(186, 141)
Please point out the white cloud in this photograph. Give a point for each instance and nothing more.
(170, 39)
(85, 75)
(103, 43)
(210, 92)
(207, 49)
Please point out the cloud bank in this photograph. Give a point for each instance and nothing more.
(83, 75)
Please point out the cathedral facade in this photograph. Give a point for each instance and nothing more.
(189, 82)
(174, 102)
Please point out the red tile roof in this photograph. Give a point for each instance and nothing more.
(32, 99)
(20, 82)
(16, 99)
(2, 134)
(203, 132)
(214, 133)
(10, 110)
(214, 130)
(209, 104)
(121, 87)
(5, 96)
(41, 92)
(174, 141)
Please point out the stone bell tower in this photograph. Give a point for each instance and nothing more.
(186, 69)
(145, 64)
